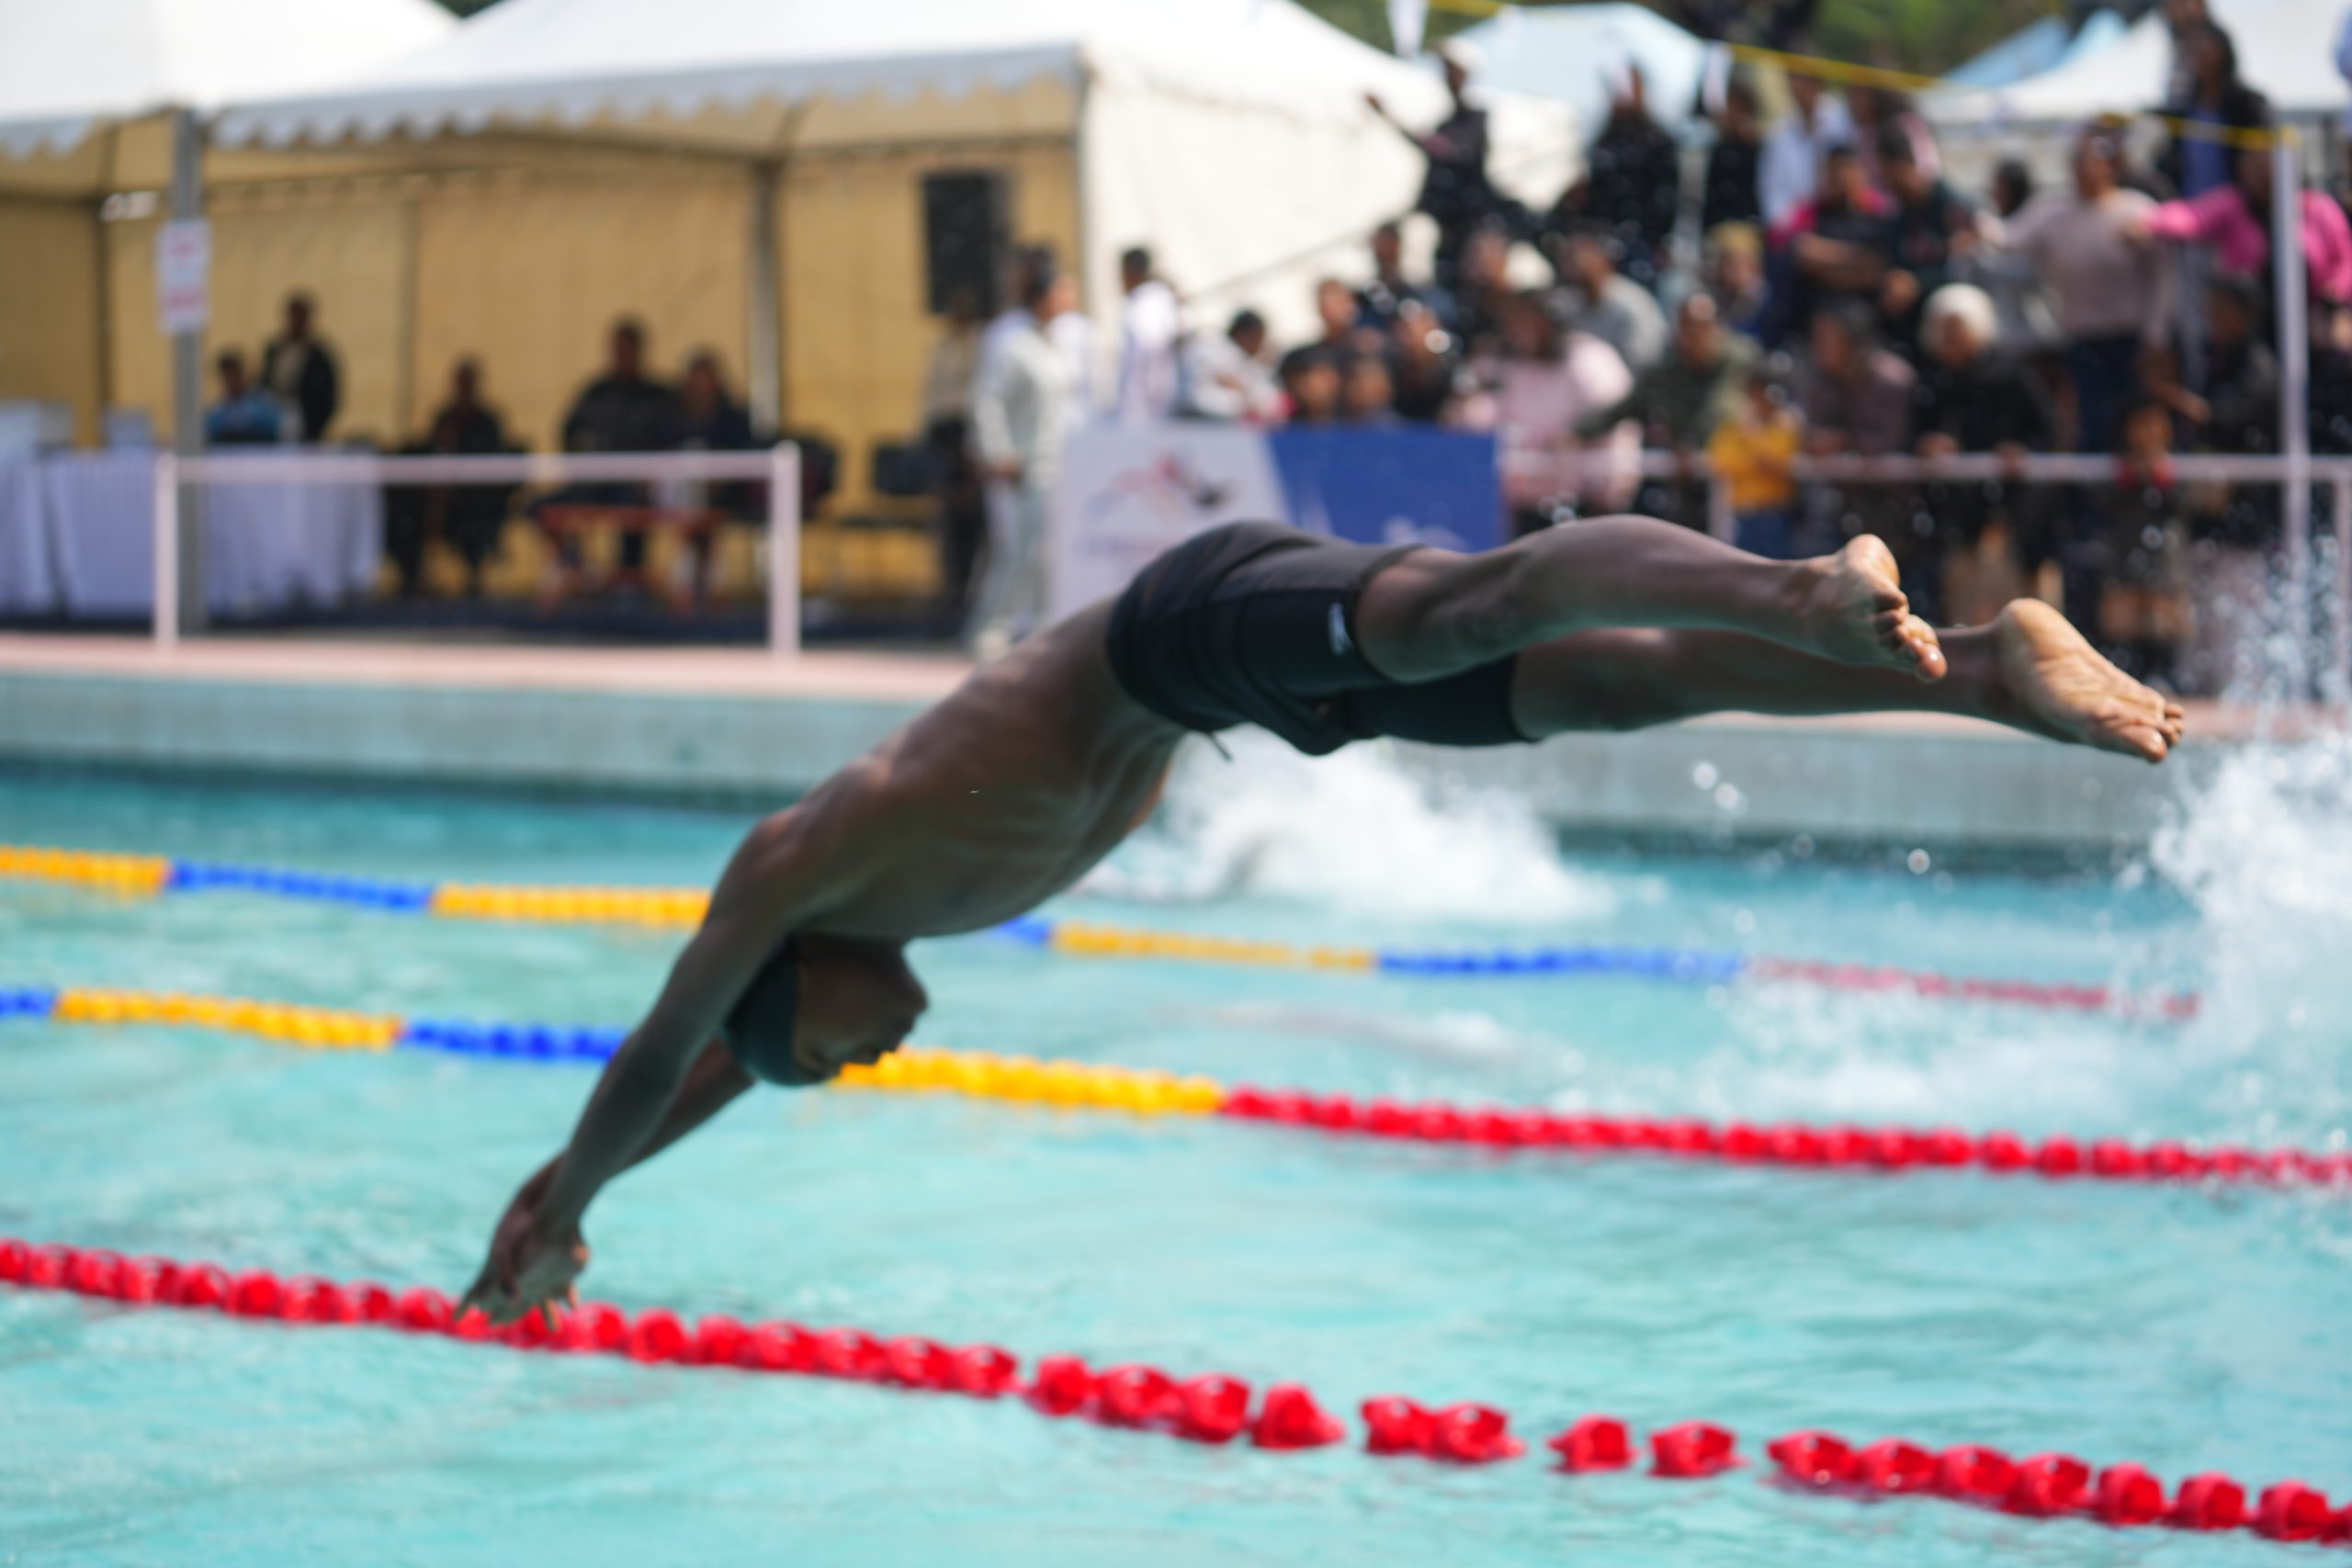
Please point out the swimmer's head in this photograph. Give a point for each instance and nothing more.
(822, 1004)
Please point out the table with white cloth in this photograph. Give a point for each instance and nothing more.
(77, 538)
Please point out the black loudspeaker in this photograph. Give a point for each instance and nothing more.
(964, 238)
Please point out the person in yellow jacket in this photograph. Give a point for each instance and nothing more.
(1754, 451)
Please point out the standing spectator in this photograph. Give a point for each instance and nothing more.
(1311, 381)
(2183, 20)
(1536, 392)
(2110, 290)
(1881, 114)
(1931, 226)
(1677, 402)
(1378, 302)
(1840, 241)
(622, 411)
(1367, 393)
(244, 414)
(1735, 164)
(1857, 402)
(2027, 325)
(1226, 378)
(1151, 331)
(1632, 184)
(1024, 412)
(1457, 193)
(1608, 305)
(1790, 170)
(299, 371)
(2203, 152)
(1754, 452)
(468, 518)
(2136, 571)
(2234, 220)
(1485, 293)
(947, 435)
(1971, 399)
(2233, 529)
(1736, 279)
(1424, 365)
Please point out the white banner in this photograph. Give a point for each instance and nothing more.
(1129, 493)
(183, 275)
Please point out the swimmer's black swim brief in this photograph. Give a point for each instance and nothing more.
(1254, 622)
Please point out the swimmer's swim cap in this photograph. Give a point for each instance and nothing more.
(758, 1031)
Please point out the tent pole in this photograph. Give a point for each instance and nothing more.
(764, 369)
(2294, 366)
(188, 385)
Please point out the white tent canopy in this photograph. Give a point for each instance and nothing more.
(1575, 53)
(67, 66)
(2284, 51)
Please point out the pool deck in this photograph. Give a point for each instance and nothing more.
(738, 726)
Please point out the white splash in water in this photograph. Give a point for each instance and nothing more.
(1352, 832)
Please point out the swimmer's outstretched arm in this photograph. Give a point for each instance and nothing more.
(669, 1075)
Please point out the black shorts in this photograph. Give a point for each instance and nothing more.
(1254, 622)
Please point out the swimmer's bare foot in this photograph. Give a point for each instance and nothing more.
(2062, 688)
(1854, 611)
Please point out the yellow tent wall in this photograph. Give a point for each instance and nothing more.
(51, 306)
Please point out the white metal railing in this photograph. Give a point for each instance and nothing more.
(778, 466)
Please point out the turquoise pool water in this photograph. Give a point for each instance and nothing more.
(2183, 1329)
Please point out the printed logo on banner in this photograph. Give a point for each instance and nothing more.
(1129, 493)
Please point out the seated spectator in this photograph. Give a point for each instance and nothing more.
(1735, 162)
(2110, 291)
(1678, 403)
(299, 371)
(244, 414)
(1839, 242)
(1342, 331)
(467, 518)
(1754, 452)
(1390, 290)
(1930, 228)
(1424, 363)
(946, 424)
(1973, 399)
(1367, 393)
(623, 410)
(2233, 217)
(1226, 376)
(1310, 382)
(1735, 276)
(1484, 292)
(1608, 305)
(2136, 570)
(709, 419)
(1535, 393)
(2232, 529)
(1857, 402)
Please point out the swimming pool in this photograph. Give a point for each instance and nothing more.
(2181, 1328)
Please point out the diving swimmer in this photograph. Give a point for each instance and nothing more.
(1037, 765)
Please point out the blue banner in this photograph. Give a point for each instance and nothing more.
(1392, 484)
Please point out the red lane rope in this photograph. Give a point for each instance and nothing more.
(2173, 1006)
(1209, 1408)
(1859, 1148)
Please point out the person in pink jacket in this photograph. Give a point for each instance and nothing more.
(2234, 220)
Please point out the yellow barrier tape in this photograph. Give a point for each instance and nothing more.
(1073, 1084)
(1119, 942)
(116, 873)
(314, 1029)
(639, 906)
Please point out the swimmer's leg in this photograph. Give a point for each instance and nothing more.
(2029, 670)
(1435, 613)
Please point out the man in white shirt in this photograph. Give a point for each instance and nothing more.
(1152, 336)
(1025, 409)
(1790, 170)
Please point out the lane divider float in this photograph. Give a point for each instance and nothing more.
(1141, 1091)
(682, 907)
(1213, 1407)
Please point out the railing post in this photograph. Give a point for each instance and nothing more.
(783, 551)
(166, 590)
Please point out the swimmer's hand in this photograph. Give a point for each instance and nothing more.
(531, 1268)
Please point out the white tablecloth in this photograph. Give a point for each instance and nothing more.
(78, 537)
